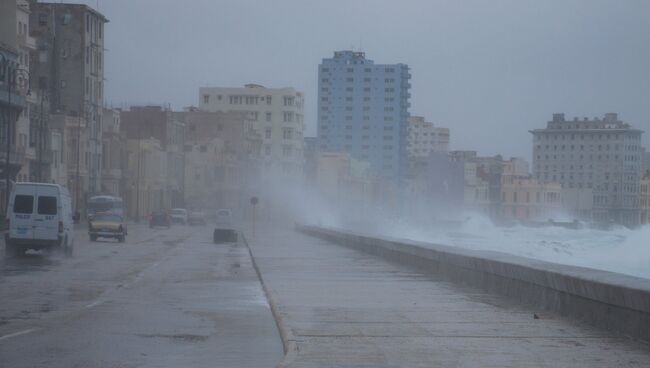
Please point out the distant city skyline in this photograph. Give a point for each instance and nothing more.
(478, 68)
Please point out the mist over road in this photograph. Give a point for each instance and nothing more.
(165, 298)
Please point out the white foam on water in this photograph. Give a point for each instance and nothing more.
(618, 250)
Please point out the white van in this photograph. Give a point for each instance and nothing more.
(40, 217)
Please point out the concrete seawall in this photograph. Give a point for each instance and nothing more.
(604, 299)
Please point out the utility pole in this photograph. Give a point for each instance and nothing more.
(41, 138)
(78, 178)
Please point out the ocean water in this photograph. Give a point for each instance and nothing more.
(618, 250)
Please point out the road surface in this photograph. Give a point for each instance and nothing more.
(165, 298)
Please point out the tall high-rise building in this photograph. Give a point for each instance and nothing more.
(278, 117)
(363, 110)
(600, 155)
(69, 64)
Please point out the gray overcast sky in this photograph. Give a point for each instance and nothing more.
(488, 70)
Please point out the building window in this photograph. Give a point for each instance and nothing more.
(268, 116)
(206, 99)
(286, 150)
(287, 133)
(267, 133)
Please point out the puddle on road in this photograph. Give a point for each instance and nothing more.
(176, 337)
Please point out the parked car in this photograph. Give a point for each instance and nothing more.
(107, 225)
(160, 218)
(196, 218)
(179, 215)
(39, 216)
(224, 230)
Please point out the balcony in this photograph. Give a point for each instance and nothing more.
(18, 101)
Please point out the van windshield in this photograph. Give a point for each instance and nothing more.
(23, 204)
(46, 205)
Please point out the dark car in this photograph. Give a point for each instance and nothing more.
(160, 218)
(224, 230)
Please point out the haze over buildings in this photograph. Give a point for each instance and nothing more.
(478, 67)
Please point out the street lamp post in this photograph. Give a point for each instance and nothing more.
(41, 137)
(137, 182)
(12, 75)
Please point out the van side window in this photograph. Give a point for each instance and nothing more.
(47, 205)
(23, 204)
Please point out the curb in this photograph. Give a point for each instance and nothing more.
(289, 344)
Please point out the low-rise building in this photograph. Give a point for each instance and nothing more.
(645, 198)
(113, 154)
(527, 199)
(160, 123)
(146, 170)
(423, 137)
(311, 160)
(222, 159)
(349, 185)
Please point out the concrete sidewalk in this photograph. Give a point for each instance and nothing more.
(341, 308)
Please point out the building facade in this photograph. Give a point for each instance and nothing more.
(278, 114)
(14, 82)
(113, 153)
(363, 110)
(160, 123)
(603, 155)
(222, 159)
(644, 202)
(146, 172)
(525, 198)
(69, 66)
(423, 138)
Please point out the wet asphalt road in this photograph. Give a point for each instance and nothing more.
(165, 298)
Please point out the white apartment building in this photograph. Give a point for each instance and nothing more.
(423, 138)
(278, 116)
(601, 155)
